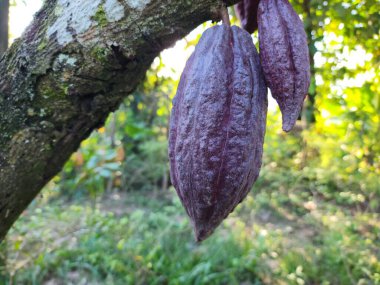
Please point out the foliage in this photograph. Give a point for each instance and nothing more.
(312, 217)
(302, 224)
(280, 235)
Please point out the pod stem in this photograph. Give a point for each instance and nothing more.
(225, 16)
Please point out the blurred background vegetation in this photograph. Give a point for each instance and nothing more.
(112, 217)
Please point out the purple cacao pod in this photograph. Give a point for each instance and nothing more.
(246, 11)
(284, 57)
(217, 127)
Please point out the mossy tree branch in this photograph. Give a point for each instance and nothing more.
(73, 65)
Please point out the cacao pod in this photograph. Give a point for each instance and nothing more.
(246, 11)
(217, 126)
(284, 57)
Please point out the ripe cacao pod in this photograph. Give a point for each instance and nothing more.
(246, 11)
(217, 126)
(284, 57)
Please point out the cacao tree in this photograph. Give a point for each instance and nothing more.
(73, 65)
(78, 59)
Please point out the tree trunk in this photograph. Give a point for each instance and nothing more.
(72, 67)
(4, 22)
(4, 34)
(4, 40)
(309, 110)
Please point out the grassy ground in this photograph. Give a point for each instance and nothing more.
(288, 231)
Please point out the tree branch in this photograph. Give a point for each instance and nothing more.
(73, 66)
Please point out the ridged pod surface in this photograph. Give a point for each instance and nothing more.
(217, 126)
(246, 11)
(284, 57)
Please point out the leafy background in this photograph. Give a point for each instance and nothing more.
(112, 217)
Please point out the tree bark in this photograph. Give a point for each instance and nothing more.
(4, 22)
(310, 109)
(73, 65)
(4, 41)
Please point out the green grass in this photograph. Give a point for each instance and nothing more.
(285, 232)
